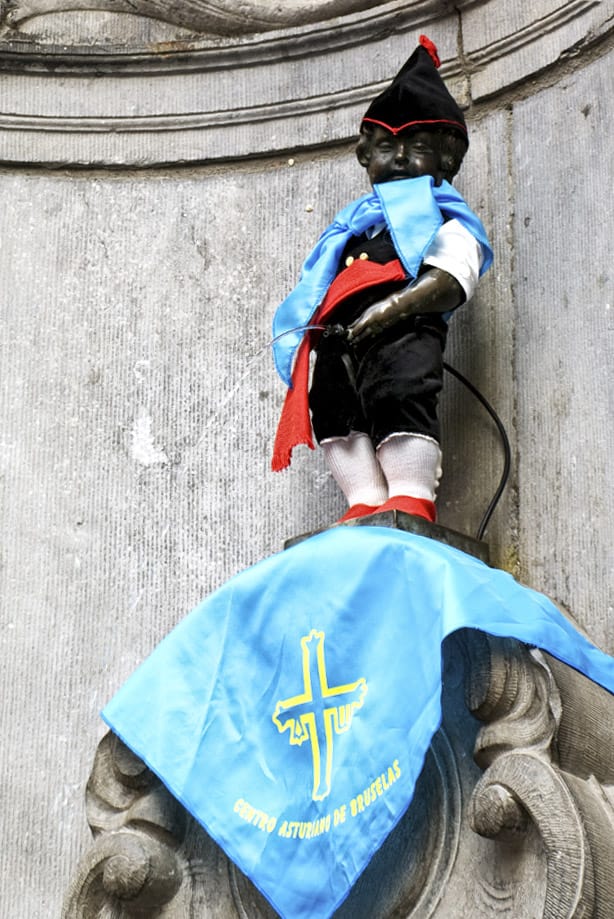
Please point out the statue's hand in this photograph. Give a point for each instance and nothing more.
(379, 316)
(434, 291)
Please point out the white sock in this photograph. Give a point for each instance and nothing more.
(411, 464)
(355, 469)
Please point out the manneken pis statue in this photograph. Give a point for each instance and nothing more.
(384, 278)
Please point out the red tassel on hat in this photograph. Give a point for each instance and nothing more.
(431, 48)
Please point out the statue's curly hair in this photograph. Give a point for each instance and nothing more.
(452, 146)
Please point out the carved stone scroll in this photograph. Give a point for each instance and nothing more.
(134, 866)
(520, 783)
(535, 772)
(512, 690)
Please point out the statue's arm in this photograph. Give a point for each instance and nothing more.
(434, 291)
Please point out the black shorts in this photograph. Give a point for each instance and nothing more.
(389, 385)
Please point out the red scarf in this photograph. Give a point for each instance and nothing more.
(295, 424)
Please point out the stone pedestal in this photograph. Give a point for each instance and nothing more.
(512, 814)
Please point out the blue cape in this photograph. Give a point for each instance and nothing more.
(414, 210)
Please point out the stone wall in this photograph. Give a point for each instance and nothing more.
(162, 179)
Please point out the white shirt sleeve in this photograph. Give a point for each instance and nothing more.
(455, 250)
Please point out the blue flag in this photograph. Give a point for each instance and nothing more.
(291, 712)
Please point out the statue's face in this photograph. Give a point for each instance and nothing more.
(403, 156)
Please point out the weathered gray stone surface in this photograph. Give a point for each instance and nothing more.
(85, 86)
(137, 407)
(565, 344)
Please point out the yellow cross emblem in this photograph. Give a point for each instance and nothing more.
(319, 712)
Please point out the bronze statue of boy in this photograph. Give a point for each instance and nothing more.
(374, 391)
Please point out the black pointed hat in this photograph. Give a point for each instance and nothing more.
(417, 97)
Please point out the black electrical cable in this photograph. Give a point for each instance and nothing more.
(507, 452)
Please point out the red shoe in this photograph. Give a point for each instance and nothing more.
(418, 507)
(357, 510)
